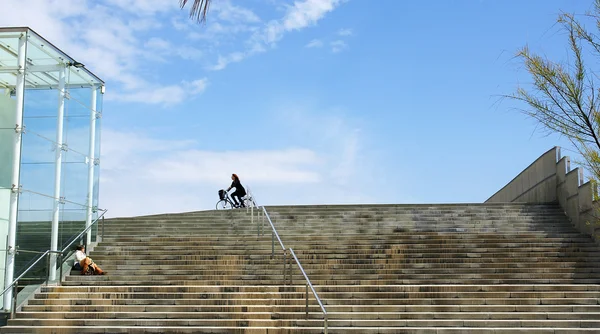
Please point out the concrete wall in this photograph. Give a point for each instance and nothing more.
(549, 179)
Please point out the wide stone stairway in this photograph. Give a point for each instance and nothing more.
(481, 268)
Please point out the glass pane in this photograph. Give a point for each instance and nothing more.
(7, 137)
(79, 102)
(33, 233)
(38, 152)
(72, 223)
(74, 182)
(8, 57)
(77, 137)
(41, 103)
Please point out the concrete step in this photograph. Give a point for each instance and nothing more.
(290, 330)
(58, 305)
(300, 314)
(325, 281)
(250, 322)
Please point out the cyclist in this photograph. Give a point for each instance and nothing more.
(239, 191)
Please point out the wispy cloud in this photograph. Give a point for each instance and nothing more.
(345, 32)
(108, 38)
(300, 15)
(338, 46)
(172, 94)
(315, 43)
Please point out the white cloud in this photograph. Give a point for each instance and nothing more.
(338, 46)
(142, 174)
(166, 95)
(306, 13)
(223, 61)
(345, 32)
(315, 43)
(224, 22)
(198, 86)
(300, 15)
(228, 12)
(157, 44)
(107, 38)
(144, 7)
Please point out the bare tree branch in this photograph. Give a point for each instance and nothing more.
(563, 97)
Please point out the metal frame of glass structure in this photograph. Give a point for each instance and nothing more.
(50, 112)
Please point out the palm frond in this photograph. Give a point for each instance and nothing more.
(199, 9)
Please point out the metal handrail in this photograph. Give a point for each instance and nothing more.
(273, 233)
(14, 283)
(85, 230)
(309, 284)
(26, 270)
(61, 261)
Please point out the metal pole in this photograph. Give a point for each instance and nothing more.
(16, 170)
(60, 261)
(259, 220)
(272, 244)
(290, 269)
(284, 267)
(13, 301)
(85, 244)
(307, 300)
(48, 268)
(91, 162)
(57, 170)
(102, 235)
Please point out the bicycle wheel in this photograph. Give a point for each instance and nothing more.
(223, 205)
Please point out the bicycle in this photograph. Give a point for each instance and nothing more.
(226, 203)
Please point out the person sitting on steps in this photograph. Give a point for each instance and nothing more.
(85, 263)
(239, 191)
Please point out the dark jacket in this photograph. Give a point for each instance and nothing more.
(239, 189)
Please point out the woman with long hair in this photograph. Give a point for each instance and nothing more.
(239, 190)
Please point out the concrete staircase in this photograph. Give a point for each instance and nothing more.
(378, 269)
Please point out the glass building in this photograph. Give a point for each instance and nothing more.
(50, 111)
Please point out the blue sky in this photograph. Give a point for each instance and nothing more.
(308, 101)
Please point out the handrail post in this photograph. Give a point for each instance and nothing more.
(290, 270)
(284, 267)
(60, 261)
(307, 300)
(272, 244)
(85, 239)
(102, 235)
(48, 267)
(14, 299)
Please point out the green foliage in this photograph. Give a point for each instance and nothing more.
(564, 98)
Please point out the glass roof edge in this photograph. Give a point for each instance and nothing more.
(59, 51)
(14, 29)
